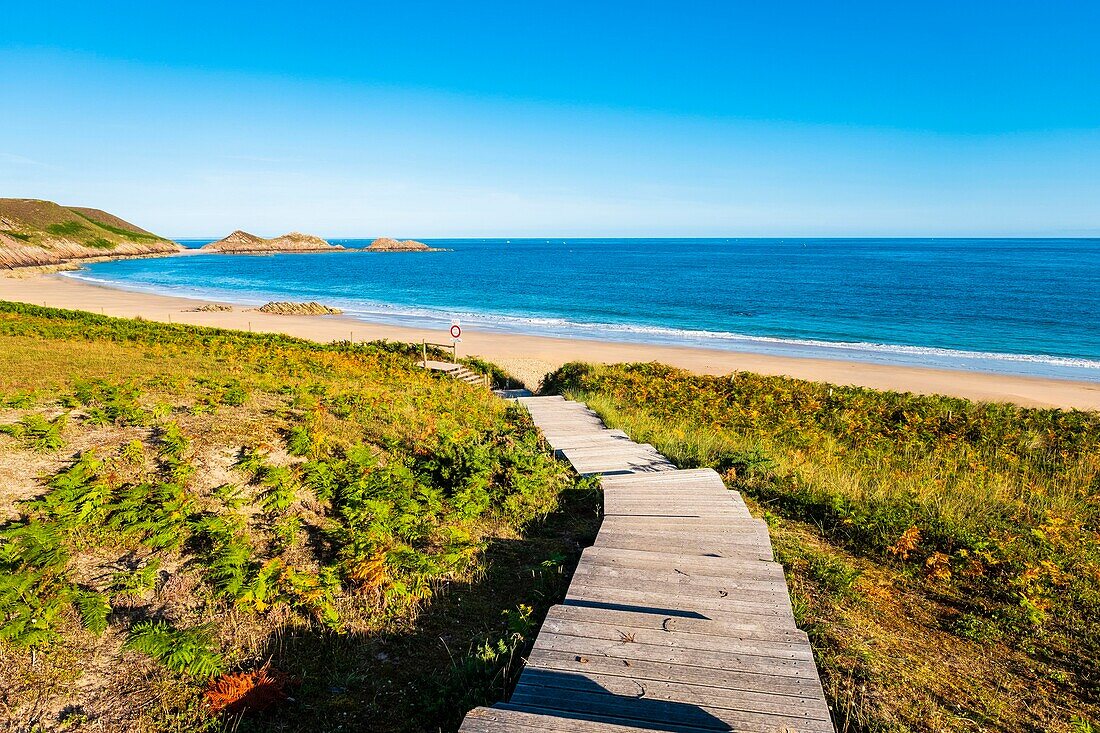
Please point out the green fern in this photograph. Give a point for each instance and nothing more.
(251, 459)
(157, 513)
(280, 489)
(186, 651)
(138, 581)
(299, 442)
(78, 497)
(38, 433)
(133, 453)
(173, 443)
(93, 609)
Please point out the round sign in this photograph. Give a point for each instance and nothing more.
(456, 331)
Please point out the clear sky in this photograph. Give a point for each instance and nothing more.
(562, 119)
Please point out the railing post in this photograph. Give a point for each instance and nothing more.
(424, 347)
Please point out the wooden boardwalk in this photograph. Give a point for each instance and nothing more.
(677, 619)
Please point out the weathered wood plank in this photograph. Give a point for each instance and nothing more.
(706, 696)
(625, 634)
(513, 718)
(729, 608)
(692, 564)
(660, 711)
(731, 680)
(728, 661)
(744, 627)
(591, 572)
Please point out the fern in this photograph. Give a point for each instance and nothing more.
(38, 433)
(280, 490)
(250, 459)
(32, 544)
(228, 564)
(136, 582)
(299, 442)
(173, 443)
(93, 609)
(186, 651)
(133, 453)
(77, 497)
(158, 513)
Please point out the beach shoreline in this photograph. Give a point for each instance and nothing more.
(529, 357)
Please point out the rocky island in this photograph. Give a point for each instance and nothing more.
(240, 242)
(385, 244)
(37, 233)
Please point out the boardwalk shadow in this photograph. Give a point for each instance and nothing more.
(605, 605)
(576, 697)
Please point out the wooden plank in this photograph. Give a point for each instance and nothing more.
(709, 697)
(742, 628)
(663, 712)
(764, 611)
(689, 563)
(796, 649)
(670, 563)
(684, 545)
(608, 720)
(791, 687)
(710, 659)
(515, 719)
(734, 527)
(684, 474)
(688, 596)
(669, 577)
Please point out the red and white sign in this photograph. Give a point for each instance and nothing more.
(456, 330)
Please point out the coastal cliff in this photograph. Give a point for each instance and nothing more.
(36, 233)
(385, 244)
(240, 242)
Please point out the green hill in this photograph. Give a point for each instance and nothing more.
(34, 232)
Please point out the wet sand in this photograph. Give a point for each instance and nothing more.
(529, 357)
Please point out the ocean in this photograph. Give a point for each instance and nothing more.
(1012, 306)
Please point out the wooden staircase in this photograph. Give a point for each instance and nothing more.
(677, 619)
(456, 371)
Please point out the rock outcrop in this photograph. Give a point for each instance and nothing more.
(285, 308)
(385, 244)
(240, 242)
(40, 233)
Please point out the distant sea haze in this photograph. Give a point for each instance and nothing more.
(1014, 306)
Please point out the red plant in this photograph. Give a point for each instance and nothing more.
(254, 691)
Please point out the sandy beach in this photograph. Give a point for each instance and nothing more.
(529, 357)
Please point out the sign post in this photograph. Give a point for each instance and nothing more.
(456, 336)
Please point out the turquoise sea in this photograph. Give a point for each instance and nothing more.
(1019, 306)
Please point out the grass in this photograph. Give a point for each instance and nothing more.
(66, 229)
(920, 535)
(192, 510)
(126, 233)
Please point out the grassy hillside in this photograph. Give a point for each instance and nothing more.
(943, 555)
(34, 232)
(194, 522)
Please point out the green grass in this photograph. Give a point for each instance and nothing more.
(983, 517)
(368, 527)
(66, 229)
(126, 233)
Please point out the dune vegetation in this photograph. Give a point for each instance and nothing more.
(213, 530)
(943, 555)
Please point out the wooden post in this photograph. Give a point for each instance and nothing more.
(424, 347)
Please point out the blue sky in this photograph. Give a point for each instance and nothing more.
(562, 119)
